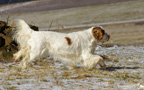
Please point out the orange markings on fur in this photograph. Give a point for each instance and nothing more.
(68, 40)
(98, 33)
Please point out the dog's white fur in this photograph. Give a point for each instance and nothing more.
(71, 48)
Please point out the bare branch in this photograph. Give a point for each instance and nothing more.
(50, 25)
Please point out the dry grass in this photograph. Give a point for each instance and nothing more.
(85, 15)
(48, 74)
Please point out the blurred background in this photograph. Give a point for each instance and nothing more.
(123, 19)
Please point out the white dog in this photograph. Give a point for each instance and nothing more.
(71, 48)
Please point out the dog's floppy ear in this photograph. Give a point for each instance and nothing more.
(97, 32)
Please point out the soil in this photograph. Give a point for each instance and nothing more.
(46, 5)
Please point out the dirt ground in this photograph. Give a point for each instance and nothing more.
(124, 71)
(46, 5)
(127, 34)
(123, 34)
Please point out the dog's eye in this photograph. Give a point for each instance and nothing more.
(103, 32)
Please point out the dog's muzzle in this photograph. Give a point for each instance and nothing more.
(105, 38)
(109, 36)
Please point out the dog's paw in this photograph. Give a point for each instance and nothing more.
(14, 59)
(103, 65)
(105, 58)
(71, 67)
(23, 65)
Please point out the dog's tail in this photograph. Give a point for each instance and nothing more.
(22, 32)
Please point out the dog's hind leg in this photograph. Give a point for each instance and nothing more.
(19, 54)
(24, 61)
(28, 58)
(33, 52)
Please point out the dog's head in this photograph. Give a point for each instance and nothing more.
(100, 34)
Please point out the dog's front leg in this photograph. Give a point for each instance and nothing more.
(71, 67)
(90, 61)
(101, 63)
(70, 64)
